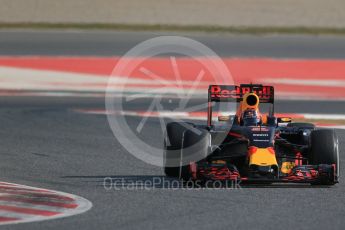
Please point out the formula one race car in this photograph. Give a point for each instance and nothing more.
(249, 146)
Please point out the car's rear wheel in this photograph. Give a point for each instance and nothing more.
(325, 149)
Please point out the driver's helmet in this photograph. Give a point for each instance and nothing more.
(250, 117)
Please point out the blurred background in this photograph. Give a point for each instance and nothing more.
(202, 13)
(71, 47)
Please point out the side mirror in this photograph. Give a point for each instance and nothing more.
(223, 118)
(284, 120)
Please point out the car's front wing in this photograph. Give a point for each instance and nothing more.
(314, 174)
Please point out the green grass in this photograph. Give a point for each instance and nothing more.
(177, 28)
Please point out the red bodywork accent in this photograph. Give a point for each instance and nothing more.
(235, 134)
(252, 150)
(300, 175)
(298, 160)
(193, 169)
(271, 150)
(334, 166)
(219, 173)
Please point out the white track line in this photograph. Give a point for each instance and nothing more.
(309, 82)
(53, 83)
(187, 115)
(324, 116)
(202, 117)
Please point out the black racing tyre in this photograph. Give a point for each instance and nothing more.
(301, 125)
(195, 147)
(324, 148)
(172, 147)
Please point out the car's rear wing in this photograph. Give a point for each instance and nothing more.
(234, 93)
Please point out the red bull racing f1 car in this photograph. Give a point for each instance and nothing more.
(249, 146)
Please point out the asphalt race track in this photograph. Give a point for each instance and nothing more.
(46, 143)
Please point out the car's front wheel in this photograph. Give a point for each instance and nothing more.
(172, 147)
(195, 147)
(325, 149)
